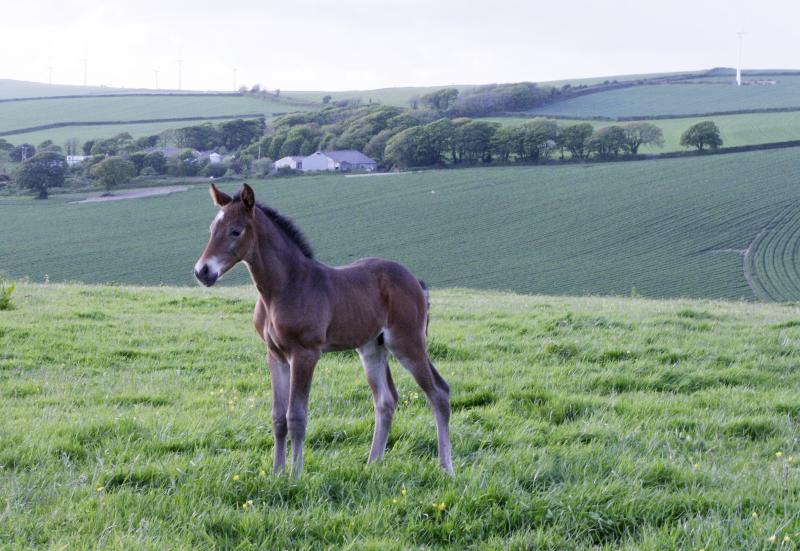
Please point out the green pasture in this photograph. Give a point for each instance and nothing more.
(662, 228)
(25, 114)
(736, 130)
(139, 418)
(401, 95)
(398, 96)
(25, 89)
(679, 99)
(91, 132)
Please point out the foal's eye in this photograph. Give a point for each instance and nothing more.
(236, 233)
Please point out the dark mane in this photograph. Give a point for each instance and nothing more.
(287, 226)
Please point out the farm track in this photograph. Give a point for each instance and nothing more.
(770, 261)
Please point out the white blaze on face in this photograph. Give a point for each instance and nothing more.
(217, 219)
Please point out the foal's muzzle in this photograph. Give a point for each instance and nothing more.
(205, 276)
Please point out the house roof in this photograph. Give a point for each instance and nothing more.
(292, 157)
(348, 156)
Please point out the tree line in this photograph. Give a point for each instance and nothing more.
(422, 137)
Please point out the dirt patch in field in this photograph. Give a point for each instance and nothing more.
(134, 194)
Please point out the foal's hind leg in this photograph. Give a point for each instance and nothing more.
(375, 358)
(410, 351)
(279, 373)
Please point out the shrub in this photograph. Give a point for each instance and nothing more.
(215, 170)
(6, 289)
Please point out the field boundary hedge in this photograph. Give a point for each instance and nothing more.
(134, 121)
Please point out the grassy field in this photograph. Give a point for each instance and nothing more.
(90, 132)
(25, 114)
(746, 129)
(679, 99)
(666, 228)
(400, 96)
(139, 418)
(24, 89)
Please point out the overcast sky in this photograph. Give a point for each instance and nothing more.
(358, 44)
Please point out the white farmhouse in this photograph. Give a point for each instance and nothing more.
(338, 161)
(75, 159)
(294, 162)
(211, 156)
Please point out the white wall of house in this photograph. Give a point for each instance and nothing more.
(215, 158)
(289, 162)
(75, 159)
(318, 161)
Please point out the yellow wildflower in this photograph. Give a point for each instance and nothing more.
(235, 477)
(778, 454)
(403, 491)
(772, 538)
(786, 538)
(441, 506)
(754, 514)
(395, 501)
(101, 488)
(262, 472)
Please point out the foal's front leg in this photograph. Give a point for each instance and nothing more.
(279, 373)
(302, 364)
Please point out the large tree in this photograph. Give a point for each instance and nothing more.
(638, 134)
(22, 152)
(576, 139)
(440, 100)
(608, 142)
(42, 172)
(201, 137)
(239, 133)
(72, 146)
(701, 135)
(113, 172)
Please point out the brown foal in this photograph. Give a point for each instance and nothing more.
(305, 308)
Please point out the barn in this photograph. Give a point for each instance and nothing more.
(295, 162)
(344, 160)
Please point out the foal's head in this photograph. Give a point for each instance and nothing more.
(232, 235)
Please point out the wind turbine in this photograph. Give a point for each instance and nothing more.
(155, 72)
(740, 34)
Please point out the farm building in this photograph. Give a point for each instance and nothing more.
(75, 159)
(295, 162)
(338, 161)
(211, 156)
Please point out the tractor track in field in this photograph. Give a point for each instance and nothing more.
(758, 254)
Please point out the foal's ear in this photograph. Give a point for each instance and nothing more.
(248, 197)
(220, 199)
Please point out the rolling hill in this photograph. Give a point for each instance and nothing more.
(665, 228)
(25, 89)
(32, 113)
(696, 97)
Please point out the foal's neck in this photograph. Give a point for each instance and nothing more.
(275, 262)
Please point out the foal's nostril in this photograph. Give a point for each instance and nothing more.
(202, 272)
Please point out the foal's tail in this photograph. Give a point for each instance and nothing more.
(427, 304)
